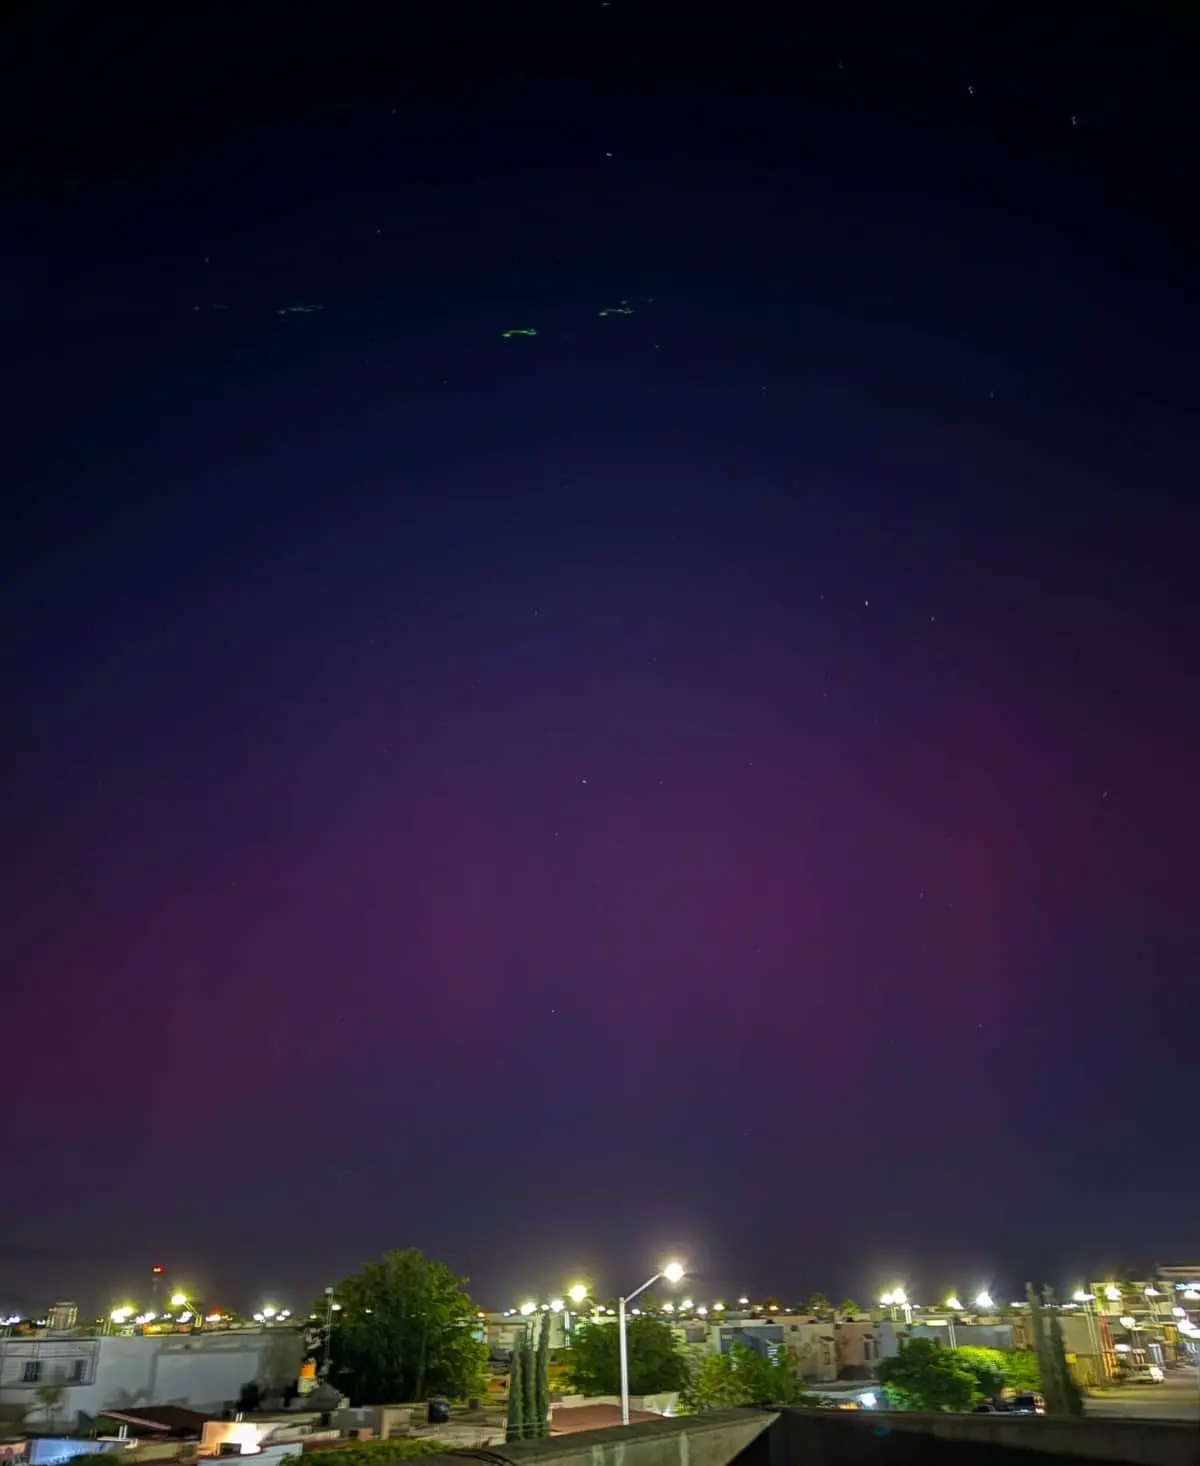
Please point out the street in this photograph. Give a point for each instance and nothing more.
(1177, 1398)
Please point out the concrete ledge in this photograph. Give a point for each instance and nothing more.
(689, 1440)
(876, 1438)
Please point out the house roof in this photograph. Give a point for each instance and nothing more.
(166, 1419)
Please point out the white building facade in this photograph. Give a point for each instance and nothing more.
(117, 1372)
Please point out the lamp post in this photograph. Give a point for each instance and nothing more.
(672, 1272)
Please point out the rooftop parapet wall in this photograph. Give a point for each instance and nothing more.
(690, 1440)
(873, 1438)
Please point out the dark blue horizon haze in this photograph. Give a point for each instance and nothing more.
(717, 776)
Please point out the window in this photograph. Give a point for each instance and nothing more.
(78, 1371)
(31, 1371)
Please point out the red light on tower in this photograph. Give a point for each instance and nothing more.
(158, 1269)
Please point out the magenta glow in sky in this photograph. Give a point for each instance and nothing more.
(718, 781)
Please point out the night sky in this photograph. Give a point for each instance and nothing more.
(719, 779)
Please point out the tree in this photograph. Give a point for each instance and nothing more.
(987, 1368)
(924, 1376)
(848, 1308)
(406, 1330)
(50, 1397)
(818, 1305)
(741, 1377)
(529, 1387)
(516, 1392)
(997, 1370)
(1021, 1371)
(656, 1363)
(541, 1390)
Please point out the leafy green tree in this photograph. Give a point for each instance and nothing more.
(818, 1305)
(997, 1370)
(741, 1377)
(1021, 1371)
(656, 1362)
(406, 1330)
(516, 1392)
(987, 1368)
(848, 1308)
(924, 1376)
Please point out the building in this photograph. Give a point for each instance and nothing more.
(98, 1372)
(953, 1331)
(820, 1350)
(502, 1330)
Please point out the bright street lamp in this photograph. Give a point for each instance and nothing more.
(672, 1273)
(528, 1308)
(984, 1299)
(953, 1302)
(577, 1293)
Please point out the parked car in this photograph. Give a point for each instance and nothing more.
(1027, 1403)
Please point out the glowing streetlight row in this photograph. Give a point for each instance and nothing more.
(127, 1313)
(898, 1298)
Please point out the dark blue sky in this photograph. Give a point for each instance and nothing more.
(718, 779)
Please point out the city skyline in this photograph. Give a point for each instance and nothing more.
(692, 1292)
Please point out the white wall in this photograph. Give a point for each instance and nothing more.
(201, 1371)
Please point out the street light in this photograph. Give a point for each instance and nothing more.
(577, 1293)
(984, 1300)
(672, 1273)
